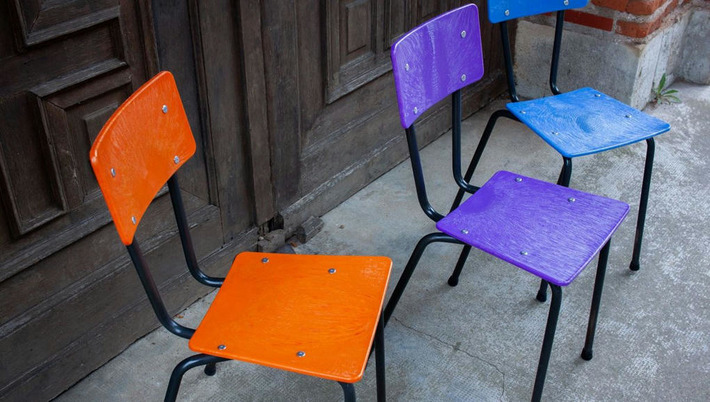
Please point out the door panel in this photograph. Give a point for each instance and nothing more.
(332, 106)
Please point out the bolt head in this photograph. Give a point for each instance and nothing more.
(566, 2)
(507, 13)
(222, 347)
(555, 133)
(518, 179)
(416, 110)
(464, 231)
(571, 199)
(331, 271)
(176, 159)
(300, 353)
(463, 34)
(463, 77)
(133, 219)
(264, 260)
(406, 67)
(164, 109)
(598, 95)
(522, 112)
(628, 116)
(523, 253)
(113, 172)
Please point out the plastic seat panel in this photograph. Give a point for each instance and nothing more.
(523, 8)
(586, 121)
(535, 225)
(267, 312)
(435, 60)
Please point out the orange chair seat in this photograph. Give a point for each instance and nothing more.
(266, 312)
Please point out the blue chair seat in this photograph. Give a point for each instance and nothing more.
(548, 230)
(586, 121)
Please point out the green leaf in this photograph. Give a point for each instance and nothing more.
(670, 91)
(672, 99)
(662, 84)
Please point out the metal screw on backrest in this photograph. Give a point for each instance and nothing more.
(598, 95)
(464, 231)
(507, 13)
(133, 219)
(463, 34)
(406, 67)
(463, 77)
(113, 172)
(628, 116)
(518, 179)
(222, 347)
(300, 353)
(555, 133)
(416, 110)
(524, 253)
(571, 199)
(331, 271)
(176, 159)
(566, 2)
(165, 108)
(522, 112)
(264, 260)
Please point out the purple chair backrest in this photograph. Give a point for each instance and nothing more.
(504, 10)
(436, 59)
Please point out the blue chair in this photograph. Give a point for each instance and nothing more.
(576, 123)
(550, 231)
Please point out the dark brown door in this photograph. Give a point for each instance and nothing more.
(69, 298)
(333, 110)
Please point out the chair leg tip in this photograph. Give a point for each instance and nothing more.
(453, 281)
(541, 297)
(211, 369)
(634, 266)
(587, 354)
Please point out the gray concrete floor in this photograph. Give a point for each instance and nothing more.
(480, 341)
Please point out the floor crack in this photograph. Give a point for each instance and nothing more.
(456, 348)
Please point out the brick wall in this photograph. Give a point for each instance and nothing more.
(632, 18)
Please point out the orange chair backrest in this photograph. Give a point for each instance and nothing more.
(139, 148)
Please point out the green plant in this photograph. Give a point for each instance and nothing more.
(662, 94)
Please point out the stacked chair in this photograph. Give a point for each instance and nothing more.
(548, 230)
(310, 314)
(577, 123)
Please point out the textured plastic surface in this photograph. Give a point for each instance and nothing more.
(134, 154)
(436, 59)
(586, 121)
(522, 8)
(267, 312)
(534, 225)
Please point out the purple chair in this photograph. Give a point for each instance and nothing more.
(548, 230)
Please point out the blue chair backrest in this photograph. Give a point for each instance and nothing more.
(504, 10)
(436, 59)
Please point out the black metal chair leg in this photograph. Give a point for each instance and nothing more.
(380, 359)
(563, 180)
(409, 268)
(479, 151)
(182, 367)
(454, 278)
(547, 342)
(211, 369)
(645, 189)
(587, 353)
(349, 391)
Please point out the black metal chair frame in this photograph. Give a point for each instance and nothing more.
(210, 362)
(565, 172)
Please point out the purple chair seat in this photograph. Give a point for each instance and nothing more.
(545, 229)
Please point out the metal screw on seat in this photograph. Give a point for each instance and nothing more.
(331, 271)
(133, 219)
(406, 67)
(566, 2)
(300, 353)
(463, 77)
(264, 260)
(222, 347)
(463, 34)
(507, 13)
(571, 199)
(416, 110)
(113, 172)
(464, 231)
(522, 112)
(524, 253)
(176, 159)
(165, 109)
(555, 133)
(598, 95)
(518, 179)
(628, 116)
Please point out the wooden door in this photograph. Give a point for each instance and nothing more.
(69, 297)
(332, 108)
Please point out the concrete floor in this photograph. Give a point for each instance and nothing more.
(481, 340)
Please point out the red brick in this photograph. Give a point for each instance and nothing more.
(619, 5)
(637, 29)
(643, 7)
(590, 20)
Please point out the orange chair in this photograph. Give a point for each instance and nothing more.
(315, 315)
